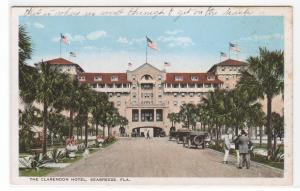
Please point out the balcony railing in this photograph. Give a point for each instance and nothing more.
(188, 90)
(113, 90)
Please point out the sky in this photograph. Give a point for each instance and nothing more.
(189, 44)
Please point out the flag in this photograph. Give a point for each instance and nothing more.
(167, 64)
(64, 39)
(234, 47)
(151, 44)
(73, 54)
(129, 64)
(223, 54)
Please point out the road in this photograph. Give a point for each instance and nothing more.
(158, 157)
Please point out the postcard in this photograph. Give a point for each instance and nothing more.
(151, 95)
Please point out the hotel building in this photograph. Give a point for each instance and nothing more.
(146, 95)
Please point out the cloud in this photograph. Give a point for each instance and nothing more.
(38, 25)
(174, 41)
(125, 40)
(174, 32)
(262, 37)
(95, 35)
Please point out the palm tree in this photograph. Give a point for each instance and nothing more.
(27, 119)
(265, 78)
(187, 114)
(278, 128)
(98, 108)
(27, 74)
(85, 103)
(112, 119)
(49, 86)
(174, 118)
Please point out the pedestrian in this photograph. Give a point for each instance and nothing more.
(226, 138)
(244, 150)
(236, 148)
(148, 134)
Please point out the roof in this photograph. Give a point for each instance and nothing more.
(105, 78)
(229, 62)
(187, 78)
(62, 61)
(144, 65)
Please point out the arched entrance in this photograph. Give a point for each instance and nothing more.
(142, 131)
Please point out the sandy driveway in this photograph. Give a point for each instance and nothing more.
(138, 157)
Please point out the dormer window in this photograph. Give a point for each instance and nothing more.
(210, 77)
(114, 78)
(81, 78)
(98, 78)
(194, 78)
(178, 78)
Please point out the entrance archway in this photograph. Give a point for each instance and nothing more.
(142, 131)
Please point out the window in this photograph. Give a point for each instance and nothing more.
(191, 94)
(199, 94)
(159, 95)
(118, 94)
(118, 103)
(175, 94)
(194, 78)
(183, 94)
(183, 85)
(101, 86)
(227, 78)
(81, 78)
(118, 85)
(147, 115)
(94, 85)
(223, 69)
(175, 103)
(159, 86)
(98, 78)
(159, 115)
(178, 78)
(133, 86)
(135, 115)
(110, 94)
(175, 85)
(114, 78)
(159, 78)
(200, 85)
(109, 85)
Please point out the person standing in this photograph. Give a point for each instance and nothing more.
(148, 134)
(236, 147)
(244, 150)
(226, 139)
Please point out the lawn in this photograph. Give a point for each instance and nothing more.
(33, 172)
(45, 171)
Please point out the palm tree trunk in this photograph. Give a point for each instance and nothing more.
(96, 129)
(275, 144)
(71, 124)
(260, 136)
(103, 130)
(45, 126)
(269, 124)
(86, 131)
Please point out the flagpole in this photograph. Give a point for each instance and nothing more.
(146, 51)
(60, 48)
(229, 52)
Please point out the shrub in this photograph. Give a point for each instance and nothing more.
(56, 155)
(34, 162)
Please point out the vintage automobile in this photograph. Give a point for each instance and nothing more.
(196, 139)
(181, 133)
(172, 133)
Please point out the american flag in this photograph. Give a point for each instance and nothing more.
(167, 64)
(223, 54)
(73, 54)
(64, 39)
(234, 47)
(151, 44)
